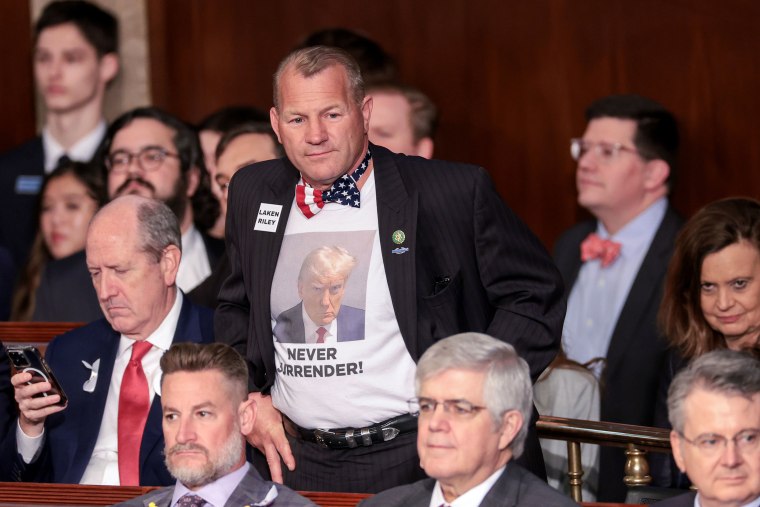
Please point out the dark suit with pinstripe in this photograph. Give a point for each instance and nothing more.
(636, 354)
(501, 280)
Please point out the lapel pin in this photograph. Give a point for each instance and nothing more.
(89, 384)
(400, 250)
(398, 236)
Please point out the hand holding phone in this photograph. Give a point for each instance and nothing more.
(30, 369)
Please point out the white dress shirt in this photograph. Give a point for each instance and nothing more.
(194, 266)
(81, 151)
(471, 497)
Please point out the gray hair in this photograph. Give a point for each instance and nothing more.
(327, 261)
(158, 227)
(728, 372)
(313, 60)
(507, 383)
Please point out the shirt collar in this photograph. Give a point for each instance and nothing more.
(81, 151)
(637, 233)
(163, 336)
(215, 493)
(473, 496)
(753, 503)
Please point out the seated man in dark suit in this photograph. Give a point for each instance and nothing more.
(204, 397)
(714, 408)
(321, 317)
(110, 432)
(474, 403)
(7, 413)
(151, 153)
(75, 58)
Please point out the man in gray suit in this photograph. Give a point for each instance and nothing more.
(204, 397)
(714, 408)
(474, 403)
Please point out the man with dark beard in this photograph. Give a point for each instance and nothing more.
(151, 153)
(204, 397)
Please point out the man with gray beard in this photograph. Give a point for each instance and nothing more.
(204, 397)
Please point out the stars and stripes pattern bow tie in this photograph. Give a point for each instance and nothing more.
(343, 191)
(594, 247)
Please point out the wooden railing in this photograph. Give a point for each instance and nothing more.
(19, 493)
(34, 333)
(637, 440)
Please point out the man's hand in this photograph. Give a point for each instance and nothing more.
(268, 436)
(33, 411)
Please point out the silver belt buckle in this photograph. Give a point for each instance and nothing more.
(389, 433)
(366, 437)
(350, 439)
(319, 435)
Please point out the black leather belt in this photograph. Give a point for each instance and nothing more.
(348, 438)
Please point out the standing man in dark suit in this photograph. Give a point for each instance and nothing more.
(437, 253)
(110, 431)
(714, 408)
(204, 397)
(614, 266)
(75, 57)
(151, 153)
(474, 399)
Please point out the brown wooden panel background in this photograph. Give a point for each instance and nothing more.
(511, 77)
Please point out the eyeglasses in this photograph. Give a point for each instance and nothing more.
(458, 408)
(149, 158)
(710, 444)
(605, 152)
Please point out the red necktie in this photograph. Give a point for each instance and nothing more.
(594, 247)
(321, 335)
(134, 404)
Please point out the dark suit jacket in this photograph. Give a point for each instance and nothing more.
(515, 488)
(7, 279)
(207, 293)
(502, 282)
(7, 417)
(289, 327)
(685, 500)
(66, 293)
(251, 490)
(636, 352)
(18, 217)
(72, 433)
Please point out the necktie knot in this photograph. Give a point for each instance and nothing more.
(139, 349)
(594, 247)
(343, 191)
(190, 500)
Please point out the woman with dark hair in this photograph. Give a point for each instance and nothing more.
(712, 295)
(69, 197)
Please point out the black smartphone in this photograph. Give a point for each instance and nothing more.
(26, 358)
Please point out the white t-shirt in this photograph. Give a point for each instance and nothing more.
(362, 373)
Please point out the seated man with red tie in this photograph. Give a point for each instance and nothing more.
(110, 430)
(614, 266)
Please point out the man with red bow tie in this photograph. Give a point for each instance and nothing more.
(614, 266)
(436, 253)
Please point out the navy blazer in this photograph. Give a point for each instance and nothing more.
(516, 487)
(471, 263)
(7, 417)
(21, 172)
(72, 433)
(636, 353)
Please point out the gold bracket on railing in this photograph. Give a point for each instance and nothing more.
(636, 467)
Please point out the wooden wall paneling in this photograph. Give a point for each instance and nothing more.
(511, 78)
(16, 82)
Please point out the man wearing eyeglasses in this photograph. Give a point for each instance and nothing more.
(474, 403)
(714, 408)
(151, 153)
(614, 265)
